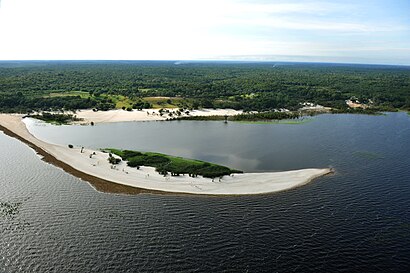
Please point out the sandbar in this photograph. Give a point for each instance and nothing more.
(89, 115)
(98, 168)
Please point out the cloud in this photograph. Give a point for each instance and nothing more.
(313, 25)
(305, 7)
(186, 29)
(314, 16)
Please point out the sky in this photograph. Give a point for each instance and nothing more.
(365, 31)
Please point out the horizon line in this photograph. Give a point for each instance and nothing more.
(205, 60)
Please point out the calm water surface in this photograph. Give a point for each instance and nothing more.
(357, 219)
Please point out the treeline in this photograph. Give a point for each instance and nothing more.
(265, 116)
(20, 103)
(260, 116)
(248, 86)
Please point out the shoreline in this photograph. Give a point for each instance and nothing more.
(98, 172)
(99, 184)
(118, 115)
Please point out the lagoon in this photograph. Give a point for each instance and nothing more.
(248, 147)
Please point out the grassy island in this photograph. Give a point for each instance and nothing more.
(176, 166)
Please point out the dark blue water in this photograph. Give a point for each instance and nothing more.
(355, 220)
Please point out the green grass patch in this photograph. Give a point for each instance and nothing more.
(122, 101)
(119, 101)
(82, 94)
(176, 166)
(165, 102)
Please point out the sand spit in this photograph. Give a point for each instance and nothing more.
(95, 169)
(146, 114)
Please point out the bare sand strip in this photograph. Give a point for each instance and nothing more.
(123, 178)
(145, 114)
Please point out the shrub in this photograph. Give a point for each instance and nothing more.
(136, 161)
(156, 159)
(128, 154)
(114, 160)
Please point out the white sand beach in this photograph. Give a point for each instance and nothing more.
(146, 177)
(146, 114)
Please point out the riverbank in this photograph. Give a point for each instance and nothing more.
(89, 116)
(98, 171)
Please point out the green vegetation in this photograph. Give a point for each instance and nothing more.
(176, 166)
(249, 117)
(265, 116)
(19, 103)
(262, 87)
(200, 118)
(113, 160)
(81, 94)
(283, 121)
(55, 118)
(167, 102)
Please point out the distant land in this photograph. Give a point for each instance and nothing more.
(263, 87)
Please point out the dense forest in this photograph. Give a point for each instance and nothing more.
(103, 85)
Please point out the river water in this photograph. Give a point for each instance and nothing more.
(356, 219)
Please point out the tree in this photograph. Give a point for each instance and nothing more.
(114, 160)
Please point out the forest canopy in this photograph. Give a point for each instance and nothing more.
(103, 85)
